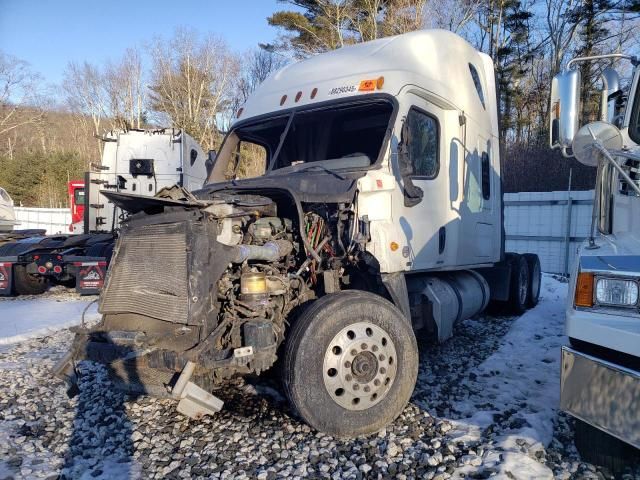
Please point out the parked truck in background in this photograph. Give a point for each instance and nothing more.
(600, 378)
(375, 210)
(140, 161)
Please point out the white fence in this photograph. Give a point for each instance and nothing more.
(535, 222)
(53, 220)
(551, 224)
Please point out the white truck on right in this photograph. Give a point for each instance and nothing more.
(600, 377)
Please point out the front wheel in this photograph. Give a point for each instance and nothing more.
(350, 363)
(600, 448)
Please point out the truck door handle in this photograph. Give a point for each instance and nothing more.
(442, 239)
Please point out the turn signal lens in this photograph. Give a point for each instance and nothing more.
(379, 83)
(584, 290)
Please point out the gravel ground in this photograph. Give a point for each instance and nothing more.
(103, 434)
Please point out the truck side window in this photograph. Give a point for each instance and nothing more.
(478, 84)
(423, 144)
(486, 176)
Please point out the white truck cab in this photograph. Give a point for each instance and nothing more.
(140, 162)
(357, 198)
(601, 367)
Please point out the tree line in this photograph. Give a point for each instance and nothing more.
(197, 82)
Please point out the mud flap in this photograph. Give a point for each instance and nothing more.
(6, 278)
(90, 274)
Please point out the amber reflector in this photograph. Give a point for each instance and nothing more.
(379, 82)
(283, 99)
(298, 96)
(314, 92)
(394, 246)
(584, 290)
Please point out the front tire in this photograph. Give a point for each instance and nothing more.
(350, 363)
(600, 448)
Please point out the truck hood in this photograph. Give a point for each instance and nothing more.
(618, 253)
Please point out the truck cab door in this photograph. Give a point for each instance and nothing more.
(424, 211)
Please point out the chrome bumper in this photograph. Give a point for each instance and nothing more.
(605, 395)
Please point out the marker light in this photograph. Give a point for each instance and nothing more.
(616, 292)
(379, 82)
(584, 290)
(240, 110)
(314, 92)
(57, 269)
(394, 246)
(298, 96)
(283, 99)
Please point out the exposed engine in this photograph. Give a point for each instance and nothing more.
(213, 281)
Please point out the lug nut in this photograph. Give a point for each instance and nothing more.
(374, 348)
(348, 378)
(381, 357)
(383, 370)
(356, 386)
(354, 352)
(363, 346)
(347, 364)
(367, 389)
(376, 382)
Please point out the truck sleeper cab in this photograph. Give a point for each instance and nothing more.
(343, 212)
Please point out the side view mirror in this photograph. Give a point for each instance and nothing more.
(564, 118)
(210, 161)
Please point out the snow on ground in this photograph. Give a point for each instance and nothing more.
(522, 378)
(36, 317)
(484, 406)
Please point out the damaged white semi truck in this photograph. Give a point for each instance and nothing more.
(375, 210)
(601, 368)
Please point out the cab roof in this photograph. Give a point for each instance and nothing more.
(435, 60)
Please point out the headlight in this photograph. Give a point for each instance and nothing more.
(616, 292)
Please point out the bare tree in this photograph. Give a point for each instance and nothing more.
(20, 102)
(124, 90)
(192, 83)
(85, 93)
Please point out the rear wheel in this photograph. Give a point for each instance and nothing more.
(535, 279)
(26, 284)
(600, 448)
(350, 363)
(519, 284)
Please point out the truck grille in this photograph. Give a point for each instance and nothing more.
(149, 273)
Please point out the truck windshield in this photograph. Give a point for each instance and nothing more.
(348, 136)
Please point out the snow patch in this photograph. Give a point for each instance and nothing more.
(24, 319)
(516, 391)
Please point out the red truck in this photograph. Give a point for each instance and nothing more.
(75, 189)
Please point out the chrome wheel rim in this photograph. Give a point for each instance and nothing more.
(360, 365)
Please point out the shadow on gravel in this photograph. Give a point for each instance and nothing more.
(101, 444)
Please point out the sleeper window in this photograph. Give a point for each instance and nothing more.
(423, 144)
(477, 83)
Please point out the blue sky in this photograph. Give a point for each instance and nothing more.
(50, 33)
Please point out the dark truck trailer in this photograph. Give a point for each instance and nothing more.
(30, 263)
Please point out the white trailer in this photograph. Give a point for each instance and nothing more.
(601, 367)
(357, 198)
